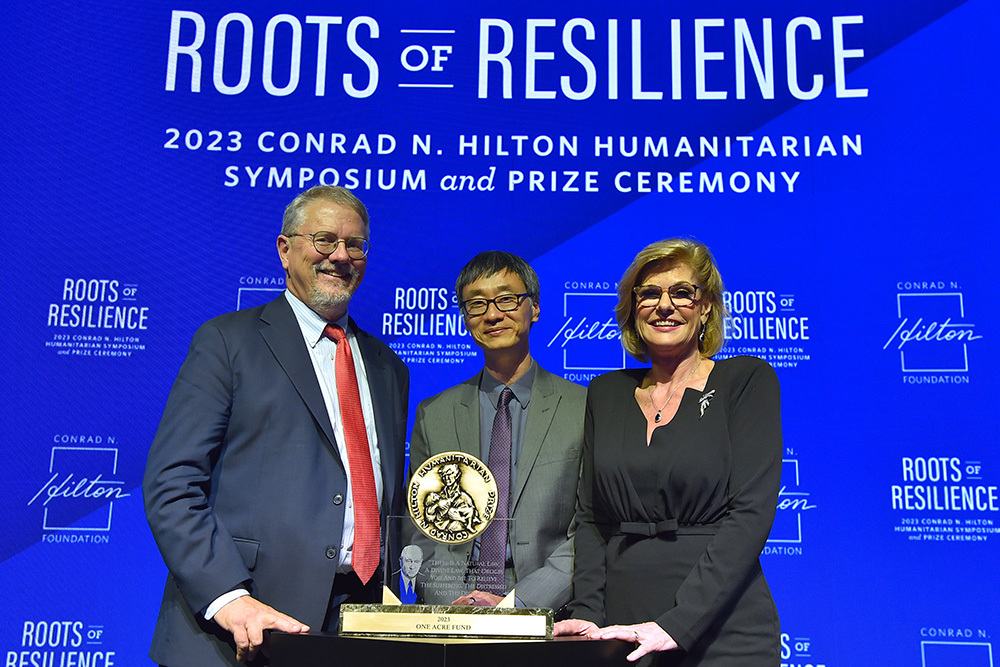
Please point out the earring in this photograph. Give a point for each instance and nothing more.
(701, 336)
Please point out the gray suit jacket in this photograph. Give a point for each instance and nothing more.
(544, 499)
(244, 484)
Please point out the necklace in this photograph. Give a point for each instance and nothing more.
(658, 416)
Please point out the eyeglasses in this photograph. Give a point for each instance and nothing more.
(326, 243)
(504, 303)
(680, 294)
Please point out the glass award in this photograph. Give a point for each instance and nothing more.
(435, 557)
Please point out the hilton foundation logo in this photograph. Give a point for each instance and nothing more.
(793, 502)
(258, 290)
(933, 334)
(955, 647)
(588, 335)
(79, 490)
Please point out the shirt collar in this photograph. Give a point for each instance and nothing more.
(310, 322)
(521, 387)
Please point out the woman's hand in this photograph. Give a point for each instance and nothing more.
(650, 637)
(575, 627)
(479, 598)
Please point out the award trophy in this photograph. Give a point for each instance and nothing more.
(451, 500)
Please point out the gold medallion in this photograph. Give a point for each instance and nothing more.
(452, 497)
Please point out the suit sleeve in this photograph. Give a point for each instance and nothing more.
(550, 585)
(590, 542)
(731, 561)
(197, 549)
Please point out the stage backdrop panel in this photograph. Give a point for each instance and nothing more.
(836, 156)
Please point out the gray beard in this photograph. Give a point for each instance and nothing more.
(324, 302)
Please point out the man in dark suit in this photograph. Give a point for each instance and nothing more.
(527, 425)
(411, 578)
(279, 454)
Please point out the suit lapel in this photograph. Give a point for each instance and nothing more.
(541, 411)
(467, 440)
(467, 417)
(284, 338)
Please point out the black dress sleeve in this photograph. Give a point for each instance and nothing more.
(591, 542)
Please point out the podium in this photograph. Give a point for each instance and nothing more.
(327, 650)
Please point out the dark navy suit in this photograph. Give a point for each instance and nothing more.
(244, 484)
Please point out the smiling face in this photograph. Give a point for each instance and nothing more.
(666, 329)
(495, 330)
(324, 283)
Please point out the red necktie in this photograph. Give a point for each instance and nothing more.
(366, 516)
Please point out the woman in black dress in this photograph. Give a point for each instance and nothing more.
(682, 465)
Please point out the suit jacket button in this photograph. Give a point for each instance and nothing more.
(337, 499)
(331, 552)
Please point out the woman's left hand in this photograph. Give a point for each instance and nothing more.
(575, 627)
(650, 637)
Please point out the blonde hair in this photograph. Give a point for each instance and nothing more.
(677, 251)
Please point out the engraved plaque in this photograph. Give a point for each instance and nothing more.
(445, 622)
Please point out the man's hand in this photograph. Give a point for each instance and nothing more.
(247, 620)
(479, 599)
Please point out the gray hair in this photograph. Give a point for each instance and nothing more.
(338, 195)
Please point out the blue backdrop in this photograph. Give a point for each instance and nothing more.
(837, 157)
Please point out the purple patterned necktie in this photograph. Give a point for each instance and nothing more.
(493, 545)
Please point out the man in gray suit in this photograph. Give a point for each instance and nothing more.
(537, 419)
(279, 454)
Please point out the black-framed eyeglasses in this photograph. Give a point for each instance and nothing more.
(326, 243)
(680, 294)
(505, 303)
